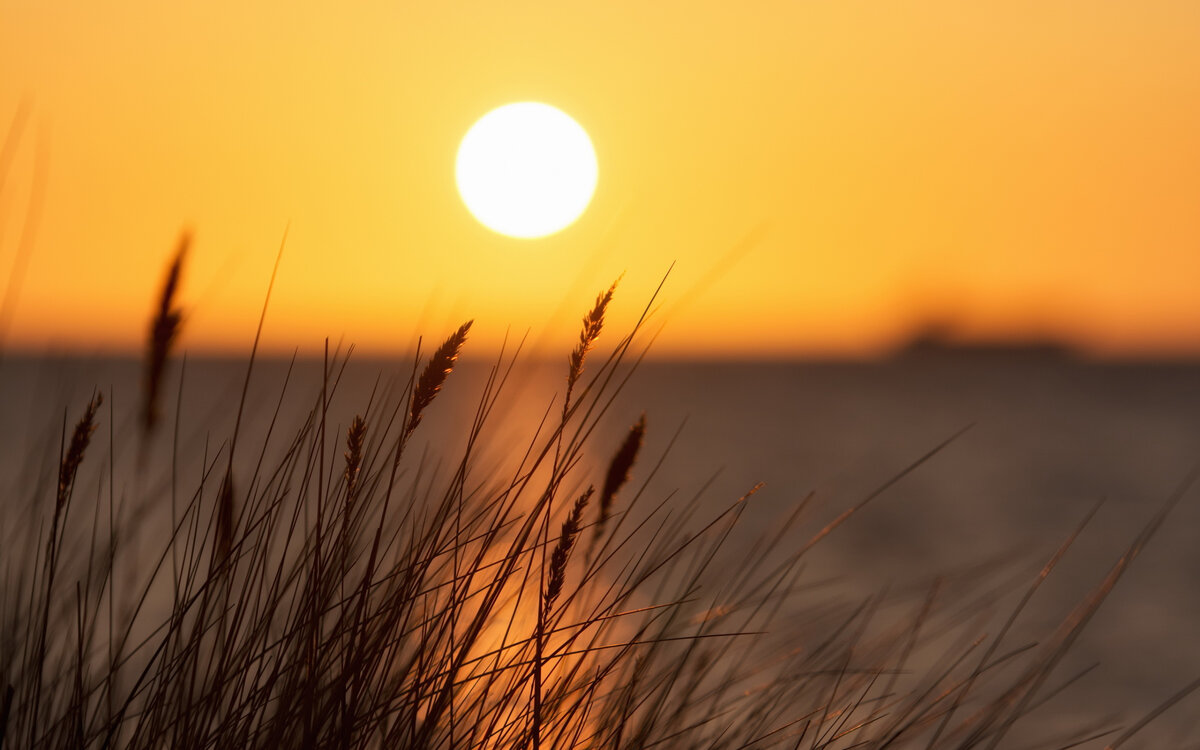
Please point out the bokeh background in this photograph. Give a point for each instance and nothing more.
(827, 176)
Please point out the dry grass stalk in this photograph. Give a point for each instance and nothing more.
(562, 550)
(6, 709)
(164, 330)
(554, 586)
(68, 468)
(593, 323)
(434, 375)
(224, 530)
(618, 471)
(80, 438)
(355, 436)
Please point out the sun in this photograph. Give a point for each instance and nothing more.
(526, 170)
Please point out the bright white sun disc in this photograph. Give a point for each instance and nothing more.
(526, 170)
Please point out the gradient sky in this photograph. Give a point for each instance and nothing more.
(827, 175)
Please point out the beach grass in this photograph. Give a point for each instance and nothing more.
(330, 588)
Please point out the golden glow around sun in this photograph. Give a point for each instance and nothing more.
(526, 170)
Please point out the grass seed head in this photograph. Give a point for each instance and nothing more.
(434, 376)
(164, 330)
(562, 550)
(355, 436)
(618, 470)
(593, 323)
(80, 438)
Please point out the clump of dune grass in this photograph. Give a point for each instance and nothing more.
(389, 605)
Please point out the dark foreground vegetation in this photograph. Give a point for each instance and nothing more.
(341, 593)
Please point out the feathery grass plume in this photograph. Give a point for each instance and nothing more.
(67, 469)
(164, 330)
(355, 435)
(562, 550)
(554, 585)
(80, 439)
(593, 323)
(434, 375)
(618, 471)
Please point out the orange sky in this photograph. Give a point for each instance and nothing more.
(827, 174)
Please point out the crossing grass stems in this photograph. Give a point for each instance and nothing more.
(360, 609)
